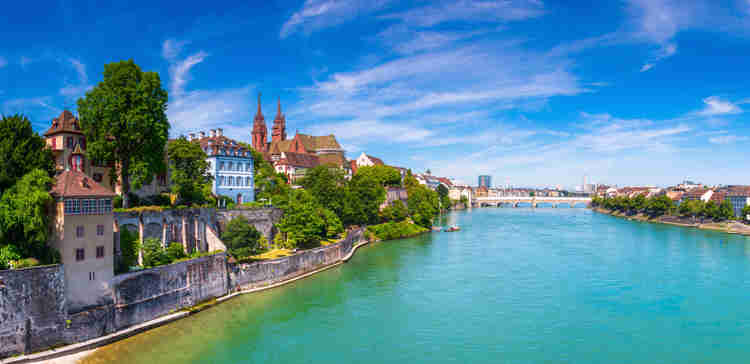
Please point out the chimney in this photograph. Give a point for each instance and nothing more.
(202, 134)
(192, 136)
(221, 131)
(213, 133)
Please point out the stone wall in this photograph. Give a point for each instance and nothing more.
(150, 293)
(263, 219)
(252, 275)
(185, 226)
(32, 309)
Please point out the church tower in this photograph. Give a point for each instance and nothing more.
(259, 130)
(278, 133)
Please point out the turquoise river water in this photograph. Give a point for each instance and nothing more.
(513, 286)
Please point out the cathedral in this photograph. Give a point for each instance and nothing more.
(293, 156)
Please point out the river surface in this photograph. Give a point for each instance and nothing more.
(515, 285)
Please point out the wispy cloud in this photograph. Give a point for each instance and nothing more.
(715, 106)
(470, 10)
(76, 89)
(726, 139)
(193, 110)
(318, 14)
(3, 62)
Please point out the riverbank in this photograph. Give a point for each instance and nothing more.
(730, 227)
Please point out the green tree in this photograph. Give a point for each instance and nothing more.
(445, 201)
(269, 184)
(423, 205)
(128, 251)
(385, 175)
(726, 211)
(21, 151)
(364, 197)
(175, 251)
(23, 216)
(691, 208)
(710, 210)
(241, 238)
(638, 203)
(396, 211)
(154, 253)
(187, 162)
(745, 212)
(660, 205)
(124, 120)
(8, 254)
(305, 223)
(327, 186)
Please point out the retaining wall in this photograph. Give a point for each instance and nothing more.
(263, 219)
(32, 309)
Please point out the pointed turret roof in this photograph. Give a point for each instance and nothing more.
(65, 123)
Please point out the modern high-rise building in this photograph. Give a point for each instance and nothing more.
(485, 181)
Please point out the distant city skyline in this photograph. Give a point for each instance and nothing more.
(637, 92)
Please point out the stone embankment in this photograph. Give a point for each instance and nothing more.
(731, 227)
(33, 313)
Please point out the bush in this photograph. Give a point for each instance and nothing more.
(225, 202)
(241, 238)
(154, 254)
(25, 263)
(157, 200)
(396, 211)
(175, 251)
(8, 254)
(128, 251)
(395, 230)
(117, 202)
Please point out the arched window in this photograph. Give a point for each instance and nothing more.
(230, 166)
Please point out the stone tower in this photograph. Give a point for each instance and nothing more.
(259, 134)
(278, 133)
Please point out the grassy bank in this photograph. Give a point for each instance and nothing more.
(729, 226)
(396, 230)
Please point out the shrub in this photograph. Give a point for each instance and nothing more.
(241, 238)
(129, 246)
(117, 202)
(396, 211)
(157, 200)
(8, 254)
(175, 251)
(395, 230)
(154, 254)
(25, 263)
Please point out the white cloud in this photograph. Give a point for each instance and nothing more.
(180, 72)
(726, 139)
(171, 48)
(715, 106)
(319, 14)
(73, 89)
(471, 11)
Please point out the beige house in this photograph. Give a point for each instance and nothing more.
(64, 137)
(82, 231)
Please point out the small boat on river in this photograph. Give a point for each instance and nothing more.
(452, 229)
(437, 229)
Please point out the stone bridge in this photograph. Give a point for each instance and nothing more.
(531, 200)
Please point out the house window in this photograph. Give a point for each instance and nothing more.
(231, 180)
(105, 206)
(100, 251)
(99, 230)
(221, 181)
(80, 255)
(231, 166)
(86, 207)
(221, 166)
(79, 231)
(54, 143)
(98, 177)
(70, 142)
(92, 276)
(247, 181)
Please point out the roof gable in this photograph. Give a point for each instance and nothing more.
(76, 184)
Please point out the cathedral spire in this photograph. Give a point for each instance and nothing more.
(260, 131)
(278, 132)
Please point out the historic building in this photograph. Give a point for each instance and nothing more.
(64, 137)
(230, 164)
(82, 231)
(287, 154)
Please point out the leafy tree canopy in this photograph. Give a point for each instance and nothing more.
(241, 238)
(189, 168)
(21, 151)
(23, 216)
(385, 175)
(124, 120)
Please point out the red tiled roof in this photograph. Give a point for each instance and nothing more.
(299, 160)
(353, 166)
(377, 161)
(739, 191)
(76, 184)
(65, 123)
(695, 193)
(218, 142)
(718, 197)
(445, 181)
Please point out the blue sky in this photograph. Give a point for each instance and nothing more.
(532, 92)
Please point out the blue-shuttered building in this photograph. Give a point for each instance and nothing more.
(231, 165)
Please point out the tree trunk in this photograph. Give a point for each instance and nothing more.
(125, 178)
